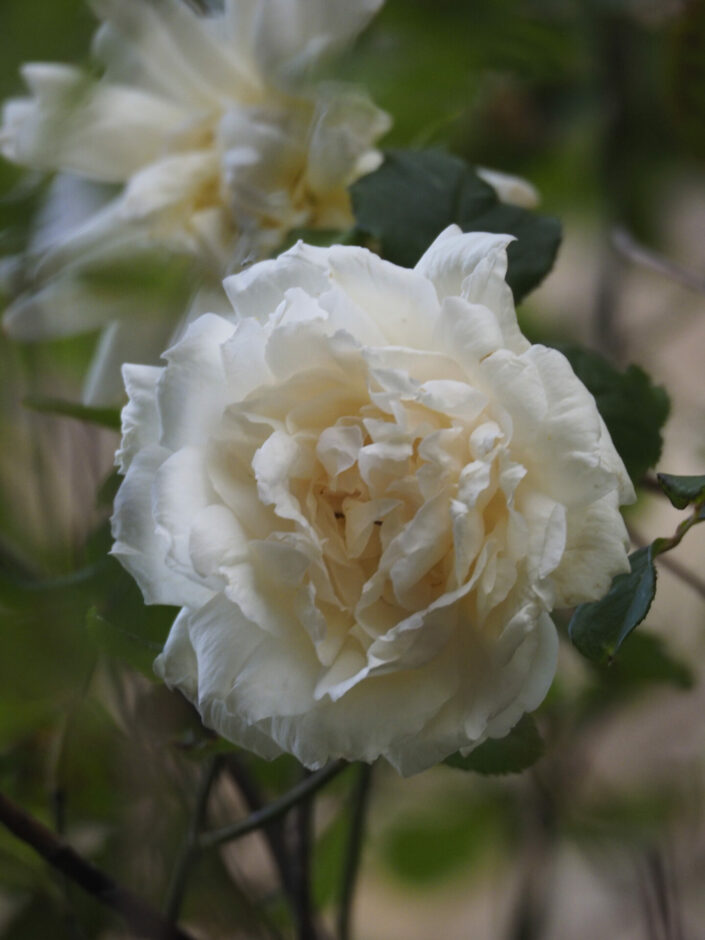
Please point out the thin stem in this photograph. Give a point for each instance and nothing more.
(190, 848)
(274, 810)
(353, 852)
(304, 914)
(630, 249)
(664, 545)
(272, 831)
(142, 919)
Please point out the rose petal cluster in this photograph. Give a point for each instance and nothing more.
(216, 139)
(366, 490)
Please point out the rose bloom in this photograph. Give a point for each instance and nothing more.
(366, 490)
(213, 136)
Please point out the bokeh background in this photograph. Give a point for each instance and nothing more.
(601, 104)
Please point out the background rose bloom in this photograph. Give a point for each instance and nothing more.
(367, 490)
(216, 140)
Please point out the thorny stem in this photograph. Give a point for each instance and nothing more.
(274, 810)
(354, 850)
(142, 919)
(189, 850)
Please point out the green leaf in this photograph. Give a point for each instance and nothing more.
(598, 629)
(644, 661)
(520, 749)
(105, 417)
(633, 408)
(121, 644)
(682, 491)
(414, 195)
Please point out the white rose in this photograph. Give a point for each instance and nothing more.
(367, 490)
(216, 138)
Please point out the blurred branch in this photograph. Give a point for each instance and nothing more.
(198, 6)
(274, 810)
(614, 40)
(539, 823)
(354, 849)
(629, 248)
(303, 820)
(661, 912)
(142, 919)
(190, 848)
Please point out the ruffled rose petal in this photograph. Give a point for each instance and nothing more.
(140, 547)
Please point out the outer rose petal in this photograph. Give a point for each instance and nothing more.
(596, 551)
(141, 425)
(259, 290)
(139, 547)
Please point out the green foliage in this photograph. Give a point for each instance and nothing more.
(414, 195)
(682, 491)
(687, 77)
(328, 860)
(451, 838)
(121, 644)
(633, 408)
(598, 629)
(520, 749)
(103, 417)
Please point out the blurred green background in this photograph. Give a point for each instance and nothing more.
(601, 104)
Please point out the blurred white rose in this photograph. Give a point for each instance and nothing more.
(204, 137)
(367, 490)
(512, 190)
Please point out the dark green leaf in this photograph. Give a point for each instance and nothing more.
(633, 408)
(645, 660)
(520, 749)
(598, 629)
(105, 417)
(532, 255)
(682, 491)
(414, 195)
(128, 647)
